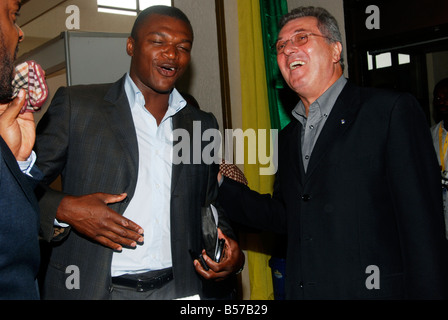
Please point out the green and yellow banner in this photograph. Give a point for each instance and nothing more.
(261, 83)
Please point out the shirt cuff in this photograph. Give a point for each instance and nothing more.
(60, 224)
(26, 165)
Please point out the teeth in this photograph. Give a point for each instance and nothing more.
(168, 68)
(296, 64)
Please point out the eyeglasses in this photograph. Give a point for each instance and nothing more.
(298, 39)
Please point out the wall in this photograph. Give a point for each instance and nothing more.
(52, 20)
(202, 80)
(44, 20)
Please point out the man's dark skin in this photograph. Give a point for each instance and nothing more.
(158, 58)
(18, 130)
(440, 102)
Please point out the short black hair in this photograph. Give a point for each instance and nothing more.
(441, 84)
(161, 10)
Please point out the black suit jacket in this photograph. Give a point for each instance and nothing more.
(19, 227)
(88, 136)
(371, 196)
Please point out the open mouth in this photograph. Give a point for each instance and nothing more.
(296, 64)
(167, 70)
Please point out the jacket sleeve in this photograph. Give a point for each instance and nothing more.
(252, 209)
(51, 147)
(414, 178)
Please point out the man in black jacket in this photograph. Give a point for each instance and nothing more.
(358, 186)
(19, 219)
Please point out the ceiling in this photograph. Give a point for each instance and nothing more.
(32, 9)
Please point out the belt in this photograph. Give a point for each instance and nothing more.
(142, 284)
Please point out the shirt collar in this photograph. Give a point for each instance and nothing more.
(175, 103)
(324, 103)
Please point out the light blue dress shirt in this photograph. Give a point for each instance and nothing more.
(150, 205)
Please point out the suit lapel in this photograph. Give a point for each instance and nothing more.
(341, 117)
(293, 148)
(119, 116)
(181, 120)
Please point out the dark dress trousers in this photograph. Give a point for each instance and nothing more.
(88, 136)
(19, 229)
(368, 210)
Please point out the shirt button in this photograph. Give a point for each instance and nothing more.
(307, 157)
(306, 197)
(301, 284)
(311, 127)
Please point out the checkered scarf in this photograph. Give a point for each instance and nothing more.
(30, 76)
(233, 172)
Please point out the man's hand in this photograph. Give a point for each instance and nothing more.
(18, 130)
(231, 261)
(91, 216)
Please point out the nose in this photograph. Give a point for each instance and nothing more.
(290, 47)
(170, 51)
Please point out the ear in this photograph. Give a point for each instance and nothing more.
(337, 51)
(130, 45)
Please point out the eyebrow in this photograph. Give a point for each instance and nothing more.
(162, 34)
(296, 31)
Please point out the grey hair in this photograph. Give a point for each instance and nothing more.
(326, 23)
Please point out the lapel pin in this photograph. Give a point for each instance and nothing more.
(342, 121)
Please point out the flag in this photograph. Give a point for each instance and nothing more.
(261, 87)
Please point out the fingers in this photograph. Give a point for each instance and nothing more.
(121, 231)
(109, 243)
(13, 108)
(216, 271)
(211, 274)
(17, 129)
(113, 198)
(232, 260)
(117, 238)
(90, 216)
(221, 235)
(119, 219)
